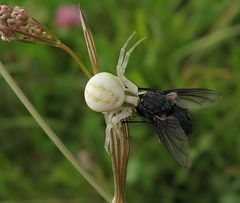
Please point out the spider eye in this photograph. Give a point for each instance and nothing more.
(104, 92)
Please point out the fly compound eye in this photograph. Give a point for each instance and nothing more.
(104, 92)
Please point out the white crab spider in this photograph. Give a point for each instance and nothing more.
(115, 96)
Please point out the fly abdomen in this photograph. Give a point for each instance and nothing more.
(185, 119)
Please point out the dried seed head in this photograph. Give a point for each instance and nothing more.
(5, 13)
(17, 24)
(19, 17)
(12, 19)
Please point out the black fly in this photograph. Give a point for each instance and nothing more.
(168, 112)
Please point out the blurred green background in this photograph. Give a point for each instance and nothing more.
(189, 44)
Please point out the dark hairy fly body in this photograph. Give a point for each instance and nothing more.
(155, 105)
(168, 112)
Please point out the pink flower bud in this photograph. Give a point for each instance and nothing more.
(67, 16)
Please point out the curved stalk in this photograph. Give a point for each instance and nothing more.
(75, 57)
(50, 133)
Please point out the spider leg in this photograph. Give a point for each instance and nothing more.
(122, 52)
(109, 126)
(107, 144)
(112, 120)
(121, 67)
(127, 55)
(138, 121)
(124, 113)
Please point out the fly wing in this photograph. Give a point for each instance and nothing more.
(174, 138)
(193, 98)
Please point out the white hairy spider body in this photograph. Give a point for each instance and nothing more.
(105, 92)
(115, 96)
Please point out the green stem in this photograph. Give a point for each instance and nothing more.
(50, 133)
(75, 57)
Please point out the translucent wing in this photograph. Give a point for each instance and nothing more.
(193, 98)
(174, 138)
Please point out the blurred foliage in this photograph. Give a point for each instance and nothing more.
(190, 44)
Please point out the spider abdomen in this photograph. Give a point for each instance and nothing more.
(104, 92)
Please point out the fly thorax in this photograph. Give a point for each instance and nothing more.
(153, 103)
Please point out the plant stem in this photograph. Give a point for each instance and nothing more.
(119, 147)
(120, 155)
(50, 133)
(75, 57)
